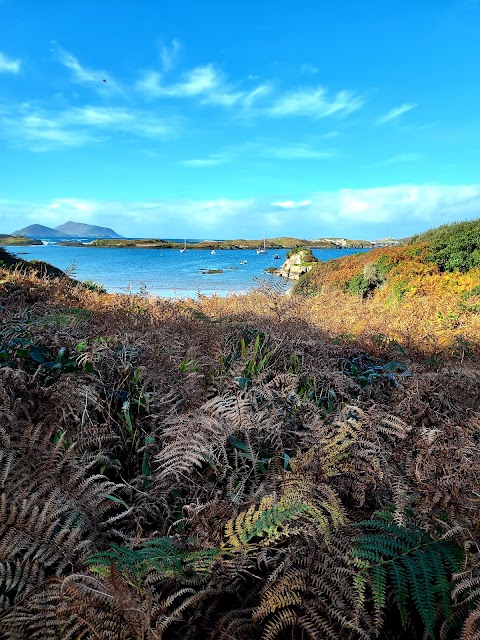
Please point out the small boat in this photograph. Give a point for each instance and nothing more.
(276, 257)
(184, 250)
(264, 250)
(243, 261)
(213, 252)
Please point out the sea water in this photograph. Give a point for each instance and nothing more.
(167, 272)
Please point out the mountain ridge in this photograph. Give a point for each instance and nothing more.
(70, 228)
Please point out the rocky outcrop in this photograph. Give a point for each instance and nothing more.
(296, 264)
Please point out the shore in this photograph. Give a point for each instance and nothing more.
(270, 243)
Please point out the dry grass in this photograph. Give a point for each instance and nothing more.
(249, 434)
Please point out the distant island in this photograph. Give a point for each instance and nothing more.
(72, 229)
(270, 243)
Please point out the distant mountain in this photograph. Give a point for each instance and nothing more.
(69, 229)
(81, 230)
(37, 231)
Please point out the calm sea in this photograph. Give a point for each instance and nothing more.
(167, 272)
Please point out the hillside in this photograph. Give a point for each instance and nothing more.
(430, 289)
(259, 466)
(37, 231)
(43, 269)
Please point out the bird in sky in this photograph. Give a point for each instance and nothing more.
(104, 80)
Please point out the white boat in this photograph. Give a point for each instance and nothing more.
(243, 261)
(213, 252)
(264, 250)
(184, 250)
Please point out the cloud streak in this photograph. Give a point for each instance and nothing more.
(40, 130)
(402, 158)
(291, 204)
(211, 86)
(396, 112)
(168, 55)
(9, 65)
(212, 160)
(314, 102)
(98, 79)
(298, 152)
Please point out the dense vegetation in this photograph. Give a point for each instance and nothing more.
(454, 247)
(262, 466)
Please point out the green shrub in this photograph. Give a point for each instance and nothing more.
(398, 291)
(383, 266)
(471, 305)
(454, 247)
(296, 250)
(94, 286)
(358, 286)
(372, 276)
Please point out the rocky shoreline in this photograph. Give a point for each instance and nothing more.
(297, 263)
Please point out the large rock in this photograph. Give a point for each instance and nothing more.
(297, 264)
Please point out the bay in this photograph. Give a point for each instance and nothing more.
(167, 272)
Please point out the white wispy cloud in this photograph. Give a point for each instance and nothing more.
(42, 130)
(396, 112)
(361, 213)
(212, 160)
(209, 85)
(9, 65)
(314, 102)
(149, 83)
(402, 158)
(169, 54)
(250, 97)
(292, 204)
(98, 79)
(197, 81)
(298, 152)
(205, 83)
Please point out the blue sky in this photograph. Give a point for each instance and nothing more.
(228, 119)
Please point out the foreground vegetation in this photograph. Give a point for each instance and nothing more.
(262, 466)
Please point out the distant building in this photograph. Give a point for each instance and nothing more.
(386, 242)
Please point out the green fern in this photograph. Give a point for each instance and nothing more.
(159, 554)
(405, 557)
(269, 521)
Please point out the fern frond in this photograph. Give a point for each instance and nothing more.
(269, 521)
(417, 567)
(275, 518)
(317, 595)
(191, 441)
(157, 554)
(466, 596)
